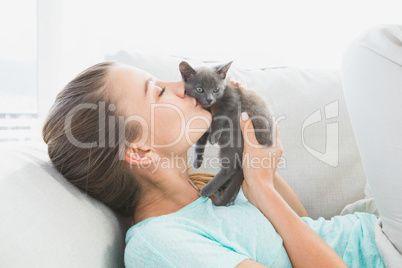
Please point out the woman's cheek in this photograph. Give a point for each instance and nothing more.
(177, 129)
(168, 126)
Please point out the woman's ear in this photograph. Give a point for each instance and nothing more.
(141, 156)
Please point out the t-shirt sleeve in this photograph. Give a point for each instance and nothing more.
(178, 248)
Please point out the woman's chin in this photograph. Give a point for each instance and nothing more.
(208, 117)
(194, 137)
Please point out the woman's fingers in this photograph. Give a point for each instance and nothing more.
(232, 80)
(247, 129)
(241, 86)
(249, 137)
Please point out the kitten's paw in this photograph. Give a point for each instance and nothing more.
(206, 191)
(197, 163)
(219, 200)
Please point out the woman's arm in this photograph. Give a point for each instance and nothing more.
(289, 195)
(304, 247)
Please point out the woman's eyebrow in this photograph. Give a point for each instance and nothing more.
(150, 79)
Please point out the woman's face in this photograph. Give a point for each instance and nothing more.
(170, 120)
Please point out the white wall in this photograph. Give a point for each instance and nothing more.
(309, 33)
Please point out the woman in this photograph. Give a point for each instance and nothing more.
(121, 135)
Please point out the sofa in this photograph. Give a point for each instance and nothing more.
(47, 222)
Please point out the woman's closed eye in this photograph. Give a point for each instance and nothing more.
(162, 91)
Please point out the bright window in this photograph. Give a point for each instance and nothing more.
(18, 68)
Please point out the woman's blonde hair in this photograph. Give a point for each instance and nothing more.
(96, 170)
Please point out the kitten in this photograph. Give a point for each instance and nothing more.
(209, 87)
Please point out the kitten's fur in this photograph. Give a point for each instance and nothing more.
(225, 127)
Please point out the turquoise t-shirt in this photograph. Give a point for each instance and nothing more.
(204, 235)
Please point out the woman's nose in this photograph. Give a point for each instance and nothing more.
(177, 88)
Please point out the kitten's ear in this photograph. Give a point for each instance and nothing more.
(223, 69)
(186, 70)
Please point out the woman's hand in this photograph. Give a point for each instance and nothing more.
(259, 162)
(241, 86)
(303, 245)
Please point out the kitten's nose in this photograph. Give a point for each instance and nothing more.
(209, 100)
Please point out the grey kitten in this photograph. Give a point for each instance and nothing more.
(208, 86)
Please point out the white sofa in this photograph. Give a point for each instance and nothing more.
(46, 222)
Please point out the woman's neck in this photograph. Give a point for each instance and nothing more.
(165, 192)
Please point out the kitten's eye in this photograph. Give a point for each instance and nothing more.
(199, 89)
(162, 91)
(216, 89)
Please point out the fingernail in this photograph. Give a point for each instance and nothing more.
(244, 116)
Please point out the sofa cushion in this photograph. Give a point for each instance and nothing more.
(321, 161)
(47, 222)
